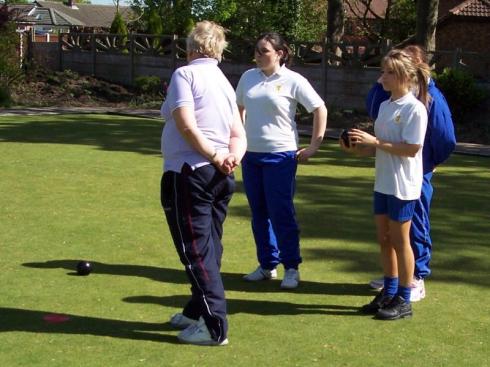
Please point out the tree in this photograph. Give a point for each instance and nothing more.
(119, 27)
(426, 23)
(312, 20)
(11, 2)
(155, 23)
(295, 19)
(177, 14)
(10, 70)
(396, 23)
(335, 25)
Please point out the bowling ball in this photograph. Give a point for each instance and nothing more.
(84, 268)
(345, 137)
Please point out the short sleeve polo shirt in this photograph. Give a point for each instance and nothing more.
(270, 104)
(400, 121)
(201, 86)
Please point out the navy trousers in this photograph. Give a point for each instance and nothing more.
(195, 205)
(270, 181)
(420, 229)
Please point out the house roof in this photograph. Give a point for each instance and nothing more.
(87, 15)
(472, 8)
(59, 14)
(43, 16)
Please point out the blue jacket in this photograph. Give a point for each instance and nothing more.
(440, 139)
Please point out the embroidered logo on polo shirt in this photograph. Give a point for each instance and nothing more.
(278, 88)
(397, 119)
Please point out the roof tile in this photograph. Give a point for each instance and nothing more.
(472, 8)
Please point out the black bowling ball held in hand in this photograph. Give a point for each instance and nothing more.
(345, 137)
(84, 268)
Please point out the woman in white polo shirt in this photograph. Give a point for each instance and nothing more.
(399, 136)
(267, 98)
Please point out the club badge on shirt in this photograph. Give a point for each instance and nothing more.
(278, 88)
(397, 119)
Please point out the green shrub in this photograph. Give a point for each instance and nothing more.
(5, 97)
(119, 27)
(10, 71)
(149, 85)
(461, 91)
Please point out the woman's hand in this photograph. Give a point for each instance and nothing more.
(226, 162)
(357, 136)
(355, 145)
(302, 155)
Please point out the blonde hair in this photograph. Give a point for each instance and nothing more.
(207, 39)
(409, 71)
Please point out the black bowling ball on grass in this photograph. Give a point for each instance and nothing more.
(84, 268)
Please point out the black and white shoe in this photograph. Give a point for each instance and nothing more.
(376, 304)
(398, 308)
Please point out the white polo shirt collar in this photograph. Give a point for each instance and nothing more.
(402, 100)
(204, 60)
(279, 72)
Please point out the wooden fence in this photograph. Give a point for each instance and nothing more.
(343, 80)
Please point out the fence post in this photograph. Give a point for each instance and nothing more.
(324, 69)
(131, 53)
(174, 53)
(457, 56)
(60, 50)
(94, 53)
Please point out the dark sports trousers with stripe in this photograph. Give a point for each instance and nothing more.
(195, 205)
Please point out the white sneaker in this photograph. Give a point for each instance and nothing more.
(261, 274)
(418, 290)
(291, 279)
(198, 334)
(179, 321)
(377, 284)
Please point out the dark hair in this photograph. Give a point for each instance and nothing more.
(279, 44)
(417, 52)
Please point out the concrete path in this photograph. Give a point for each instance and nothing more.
(332, 133)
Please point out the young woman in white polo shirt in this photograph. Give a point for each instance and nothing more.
(399, 137)
(267, 98)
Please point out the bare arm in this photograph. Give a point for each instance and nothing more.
(241, 111)
(357, 149)
(238, 141)
(319, 127)
(368, 140)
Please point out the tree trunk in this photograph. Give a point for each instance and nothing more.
(335, 25)
(426, 23)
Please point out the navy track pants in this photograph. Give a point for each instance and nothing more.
(195, 205)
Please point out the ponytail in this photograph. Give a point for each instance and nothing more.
(419, 59)
(423, 75)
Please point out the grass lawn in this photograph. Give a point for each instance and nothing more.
(87, 187)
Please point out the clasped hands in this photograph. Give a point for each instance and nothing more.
(226, 162)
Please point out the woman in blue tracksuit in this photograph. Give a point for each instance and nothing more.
(439, 143)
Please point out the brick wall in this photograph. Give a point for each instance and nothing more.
(471, 36)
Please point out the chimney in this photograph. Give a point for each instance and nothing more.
(71, 4)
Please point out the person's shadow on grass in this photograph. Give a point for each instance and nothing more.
(255, 307)
(36, 321)
(232, 281)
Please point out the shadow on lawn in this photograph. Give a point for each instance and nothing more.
(256, 307)
(113, 133)
(16, 319)
(232, 281)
